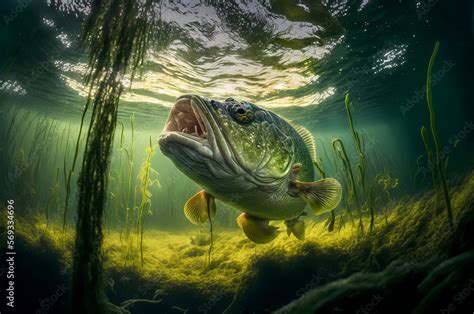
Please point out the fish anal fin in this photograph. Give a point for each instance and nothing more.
(256, 229)
(200, 208)
(322, 196)
(297, 227)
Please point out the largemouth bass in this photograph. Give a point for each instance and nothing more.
(249, 158)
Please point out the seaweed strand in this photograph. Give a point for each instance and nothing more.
(112, 34)
(437, 142)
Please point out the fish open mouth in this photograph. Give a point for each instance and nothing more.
(187, 125)
(197, 138)
(185, 118)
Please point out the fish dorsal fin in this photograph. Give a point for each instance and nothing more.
(306, 135)
(307, 138)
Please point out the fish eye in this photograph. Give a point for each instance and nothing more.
(242, 113)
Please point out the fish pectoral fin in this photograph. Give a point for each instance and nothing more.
(322, 196)
(200, 207)
(297, 227)
(256, 229)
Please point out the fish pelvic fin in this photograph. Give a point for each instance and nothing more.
(200, 208)
(256, 229)
(322, 196)
(295, 227)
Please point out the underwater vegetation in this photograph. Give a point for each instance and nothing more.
(435, 160)
(331, 270)
(115, 36)
(146, 183)
(366, 180)
(104, 81)
(25, 156)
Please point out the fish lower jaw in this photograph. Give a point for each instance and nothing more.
(198, 144)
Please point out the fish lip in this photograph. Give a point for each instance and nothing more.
(213, 147)
(197, 143)
(203, 113)
(187, 140)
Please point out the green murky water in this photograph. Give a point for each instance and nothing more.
(298, 59)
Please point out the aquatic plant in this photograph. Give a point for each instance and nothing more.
(145, 184)
(119, 176)
(17, 142)
(387, 182)
(330, 222)
(438, 159)
(340, 152)
(13, 118)
(429, 155)
(115, 212)
(116, 35)
(66, 176)
(53, 198)
(9, 135)
(40, 148)
(354, 133)
(322, 147)
(418, 168)
(319, 167)
(130, 158)
(73, 166)
(34, 139)
(361, 166)
(200, 239)
(365, 181)
(24, 159)
(369, 206)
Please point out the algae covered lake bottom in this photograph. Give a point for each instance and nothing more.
(131, 131)
(412, 262)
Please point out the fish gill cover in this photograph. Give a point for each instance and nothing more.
(375, 96)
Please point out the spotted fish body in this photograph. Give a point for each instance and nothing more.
(242, 155)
